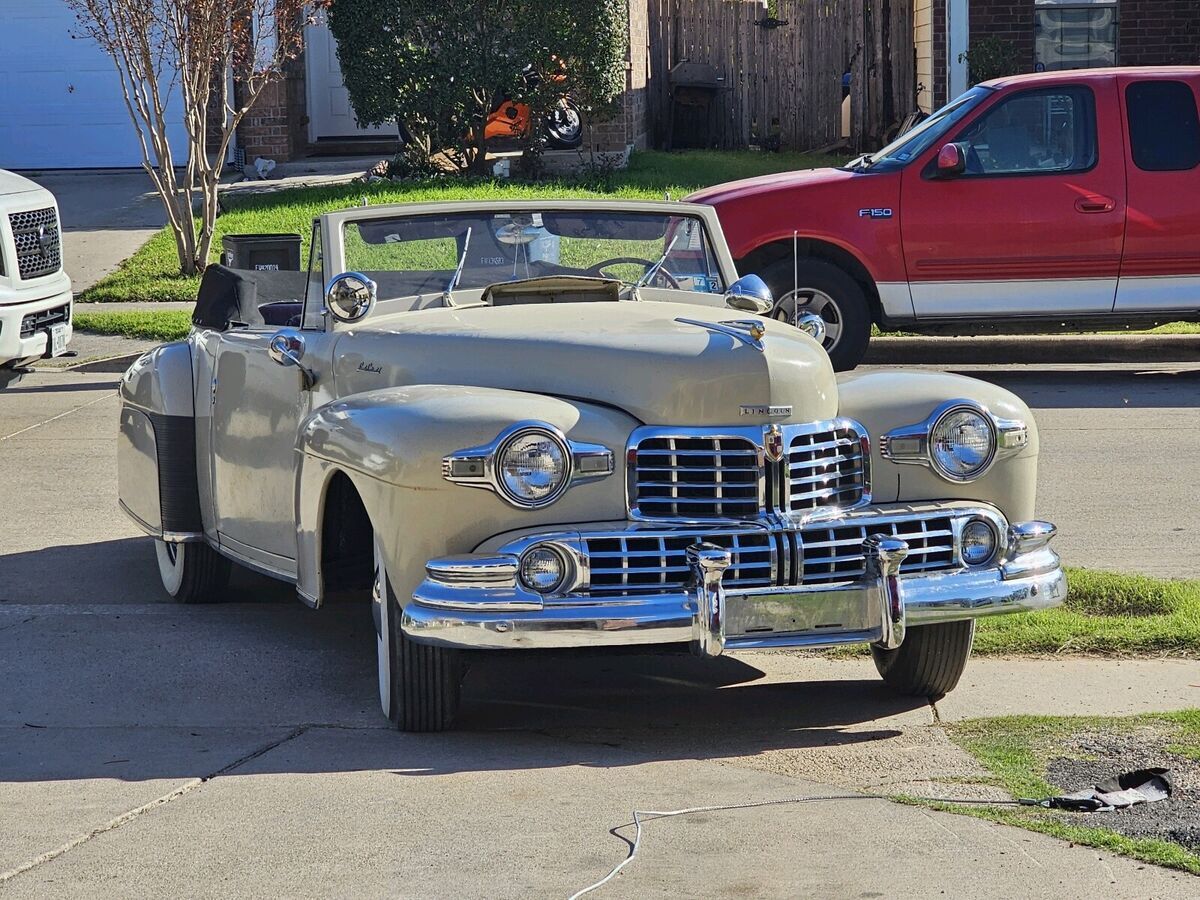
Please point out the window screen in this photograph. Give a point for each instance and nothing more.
(1164, 131)
(1074, 37)
(1035, 132)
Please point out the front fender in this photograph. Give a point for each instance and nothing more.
(391, 441)
(883, 400)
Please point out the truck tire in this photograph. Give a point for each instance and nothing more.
(832, 294)
(192, 572)
(930, 661)
(419, 684)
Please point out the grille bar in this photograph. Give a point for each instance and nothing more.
(931, 546)
(36, 236)
(31, 323)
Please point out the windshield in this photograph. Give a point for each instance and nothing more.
(427, 254)
(913, 143)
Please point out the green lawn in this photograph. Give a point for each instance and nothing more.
(150, 325)
(1018, 749)
(152, 272)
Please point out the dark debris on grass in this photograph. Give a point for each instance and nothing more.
(1089, 757)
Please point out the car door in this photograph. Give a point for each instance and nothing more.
(257, 405)
(1034, 226)
(1161, 267)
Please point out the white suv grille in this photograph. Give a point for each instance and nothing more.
(36, 236)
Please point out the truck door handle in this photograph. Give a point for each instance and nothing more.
(1095, 204)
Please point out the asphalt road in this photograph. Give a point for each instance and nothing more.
(154, 749)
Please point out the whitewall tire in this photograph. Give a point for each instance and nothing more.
(192, 572)
(418, 683)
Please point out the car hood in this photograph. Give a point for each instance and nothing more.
(750, 187)
(12, 183)
(636, 356)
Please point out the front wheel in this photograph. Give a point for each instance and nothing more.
(418, 683)
(192, 572)
(930, 661)
(820, 287)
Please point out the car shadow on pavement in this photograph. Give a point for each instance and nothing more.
(91, 645)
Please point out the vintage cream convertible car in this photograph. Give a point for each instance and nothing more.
(551, 424)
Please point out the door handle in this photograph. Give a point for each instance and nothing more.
(1095, 204)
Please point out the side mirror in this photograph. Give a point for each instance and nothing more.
(350, 296)
(750, 294)
(952, 160)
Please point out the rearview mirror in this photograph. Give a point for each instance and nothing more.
(750, 294)
(952, 160)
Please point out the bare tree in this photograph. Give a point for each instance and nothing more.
(219, 55)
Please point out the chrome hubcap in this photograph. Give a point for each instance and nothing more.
(814, 301)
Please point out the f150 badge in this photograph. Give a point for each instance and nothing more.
(875, 212)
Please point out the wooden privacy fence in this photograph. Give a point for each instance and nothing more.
(781, 84)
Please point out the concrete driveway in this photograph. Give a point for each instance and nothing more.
(150, 749)
(106, 216)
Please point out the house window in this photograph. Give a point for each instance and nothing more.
(1074, 34)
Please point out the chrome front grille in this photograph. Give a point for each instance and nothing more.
(640, 561)
(652, 560)
(698, 474)
(35, 234)
(834, 553)
(696, 477)
(826, 468)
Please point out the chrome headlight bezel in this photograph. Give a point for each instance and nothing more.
(911, 444)
(555, 440)
(988, 458)
(480, 466)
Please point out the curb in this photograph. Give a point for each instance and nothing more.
(1010, 349)
(111, 364)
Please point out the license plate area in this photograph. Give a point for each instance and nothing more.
(831, 610)
(56, 340)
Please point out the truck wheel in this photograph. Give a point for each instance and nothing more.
(192, 572)
(419, 684)
(930, 661)
(822, 288)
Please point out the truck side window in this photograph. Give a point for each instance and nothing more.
(1034, 132)
(1164, 129)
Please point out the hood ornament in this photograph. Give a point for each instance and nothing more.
(749, 331)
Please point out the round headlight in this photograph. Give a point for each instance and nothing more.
(533, 467)
(979, 542)
(962, 443)
(543, 569)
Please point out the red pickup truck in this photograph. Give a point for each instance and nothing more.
(1061, 199)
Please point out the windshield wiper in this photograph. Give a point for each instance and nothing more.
(653, 270)
(447, 294)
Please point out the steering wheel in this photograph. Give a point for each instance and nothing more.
(598, 268)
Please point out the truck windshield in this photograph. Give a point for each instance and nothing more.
(913, 143)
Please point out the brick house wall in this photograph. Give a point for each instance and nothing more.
(1149, 33)
(629, 126)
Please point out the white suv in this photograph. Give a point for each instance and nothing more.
(35, 292)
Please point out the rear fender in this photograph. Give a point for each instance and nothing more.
(156, 444)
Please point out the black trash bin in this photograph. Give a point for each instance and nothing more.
(262, 252)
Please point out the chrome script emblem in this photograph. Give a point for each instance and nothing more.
(771, 412)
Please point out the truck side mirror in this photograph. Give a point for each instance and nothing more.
(951, 160)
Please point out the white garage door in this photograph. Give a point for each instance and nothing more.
(60, 99)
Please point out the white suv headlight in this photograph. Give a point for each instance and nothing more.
(533, 467)
(962, 443)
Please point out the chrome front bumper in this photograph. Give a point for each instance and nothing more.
(452, 608)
